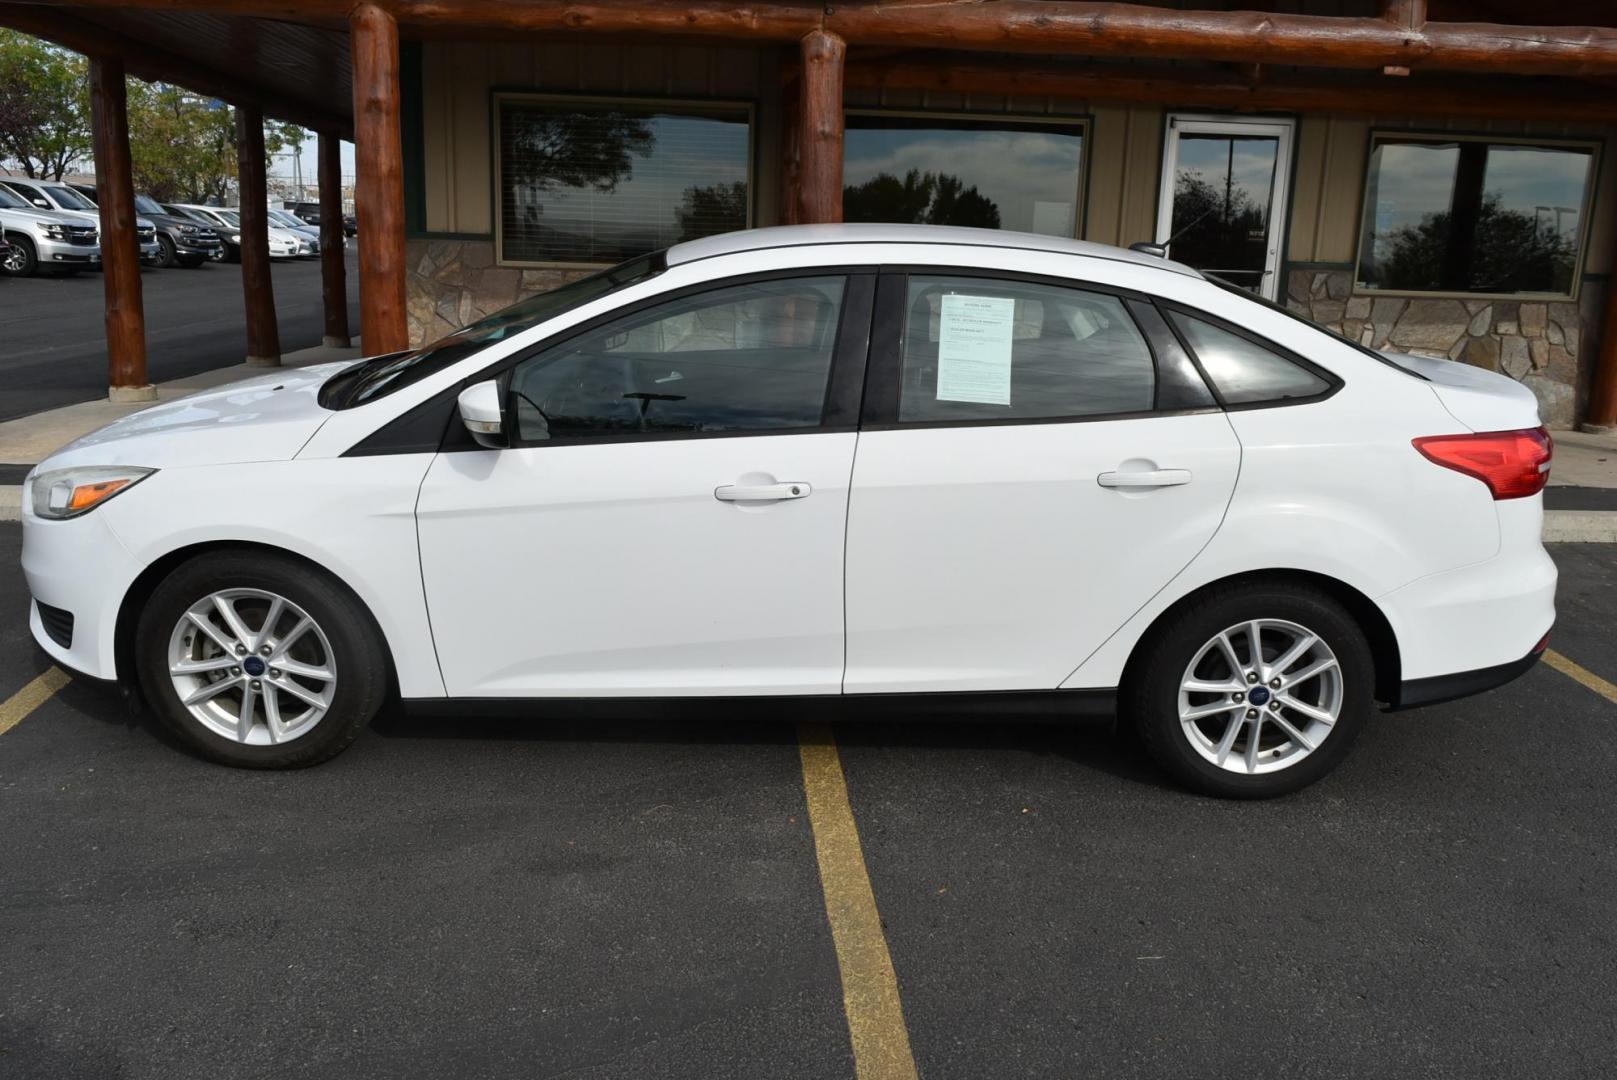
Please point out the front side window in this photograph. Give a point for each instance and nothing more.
(601, 182)
(145, 204)
(1455, 215)
(986, 173)
(1244, 372)
(981, 349)
(750, 357)
(67, 198)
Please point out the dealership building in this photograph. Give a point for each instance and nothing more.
(1423, 175)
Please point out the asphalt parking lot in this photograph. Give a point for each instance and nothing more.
(53, 345)
(501, 899)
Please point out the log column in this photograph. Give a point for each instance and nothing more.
(1603, 399)
(120, 248)
(379, 183)
(333, 274)
(820, 130)
(263, 336)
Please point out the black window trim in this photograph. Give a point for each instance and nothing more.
(845, 383)
(1333, 382)
(884, 370)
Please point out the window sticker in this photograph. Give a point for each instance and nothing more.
(974, 349)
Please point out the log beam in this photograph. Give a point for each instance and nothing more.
(819, 129)
(1187, 88)
(379, 179)
(1603, 398)
(120, 248)
(263, 336)
(333, 274)
(1036, 26)
(152, 62)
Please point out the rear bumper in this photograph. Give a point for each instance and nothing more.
(1414, 693)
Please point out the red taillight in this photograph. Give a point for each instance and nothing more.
(1514, 464)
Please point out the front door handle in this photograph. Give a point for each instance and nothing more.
(1153, 478)
(762, 492)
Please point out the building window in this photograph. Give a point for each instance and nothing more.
(993, 173)
(590, 181)
(1446, 214)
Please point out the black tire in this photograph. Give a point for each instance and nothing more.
(22, 260)
(1151, 695)
(167, 257)
(358, 657)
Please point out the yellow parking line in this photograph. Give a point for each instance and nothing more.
(31, 697)
(881, 1042)
(1582, 674)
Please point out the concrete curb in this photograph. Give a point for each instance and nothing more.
(1560, 526)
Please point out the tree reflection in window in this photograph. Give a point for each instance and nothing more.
(1470, 216)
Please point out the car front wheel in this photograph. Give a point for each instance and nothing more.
(258, 661)
(1253, 691)
(20, 259)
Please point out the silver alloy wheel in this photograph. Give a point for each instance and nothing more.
(1260, 696)
(15, 259)
(252, 666)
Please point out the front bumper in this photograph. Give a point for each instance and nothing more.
(58, 252)
(78, 567)
(192, 246)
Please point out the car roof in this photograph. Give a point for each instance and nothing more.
(785, 236)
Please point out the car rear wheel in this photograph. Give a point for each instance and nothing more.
(20, 259)
(1253, 691)
(258, 661)
(167, 256)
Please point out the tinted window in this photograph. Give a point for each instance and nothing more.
(588, 182)
(1245, 372)
(10, 201)
(753, 357)
(976, 349)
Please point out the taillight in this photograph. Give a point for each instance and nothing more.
(1514, 464)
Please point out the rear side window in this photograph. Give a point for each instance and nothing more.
(1246, 373)
(978, 349)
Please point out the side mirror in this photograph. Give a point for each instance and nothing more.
(482, 413)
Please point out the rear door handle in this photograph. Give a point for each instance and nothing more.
(762, 492)
(1153, 478)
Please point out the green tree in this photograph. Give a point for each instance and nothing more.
(715, 208)
(182, 147)
(44, 106)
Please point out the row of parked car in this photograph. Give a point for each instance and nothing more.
(52, 226)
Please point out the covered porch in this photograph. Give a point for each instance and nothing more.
(791, 113)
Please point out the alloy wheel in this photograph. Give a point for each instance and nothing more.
(251, 666)
(1260, 696)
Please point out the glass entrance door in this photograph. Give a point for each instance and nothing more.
(1223, 205)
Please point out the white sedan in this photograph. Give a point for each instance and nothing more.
(845, 468)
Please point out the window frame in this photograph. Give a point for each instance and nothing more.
(1333, 382)
(884, 370)
(1378, 135)
(698, 107)
(1086, 121)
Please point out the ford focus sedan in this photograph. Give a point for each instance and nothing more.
(865, 469)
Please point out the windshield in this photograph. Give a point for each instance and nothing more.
(68, 198)
(10, 201)
(147, 205)
(382, 375)
(228, 217)
(287, 219)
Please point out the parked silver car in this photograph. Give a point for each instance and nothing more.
(55, 195)
(44, 239)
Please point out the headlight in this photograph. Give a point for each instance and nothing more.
(235, 238)
(54, 232)
(188, 229)
(66, 493)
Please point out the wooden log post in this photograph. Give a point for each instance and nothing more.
(820, 129)
(1603, 397)
(120, 248)
(379, 179)
(333, 274)
(258, 291)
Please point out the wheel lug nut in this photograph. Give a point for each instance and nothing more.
(1240, 698)
(1275, 683)
(1251, 714)
(256, 685)
(275, 673)
(266, 651)
(241, 650)
(1252, 676)
(1274, 704)
(235, 671)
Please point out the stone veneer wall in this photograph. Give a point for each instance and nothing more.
(1546, 346)
(450, 283)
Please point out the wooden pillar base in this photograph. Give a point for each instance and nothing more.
(336, 342)
(263, 361)
(131, 395)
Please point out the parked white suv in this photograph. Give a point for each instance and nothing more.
(44, 239)
(50, 195)
(833, 467)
